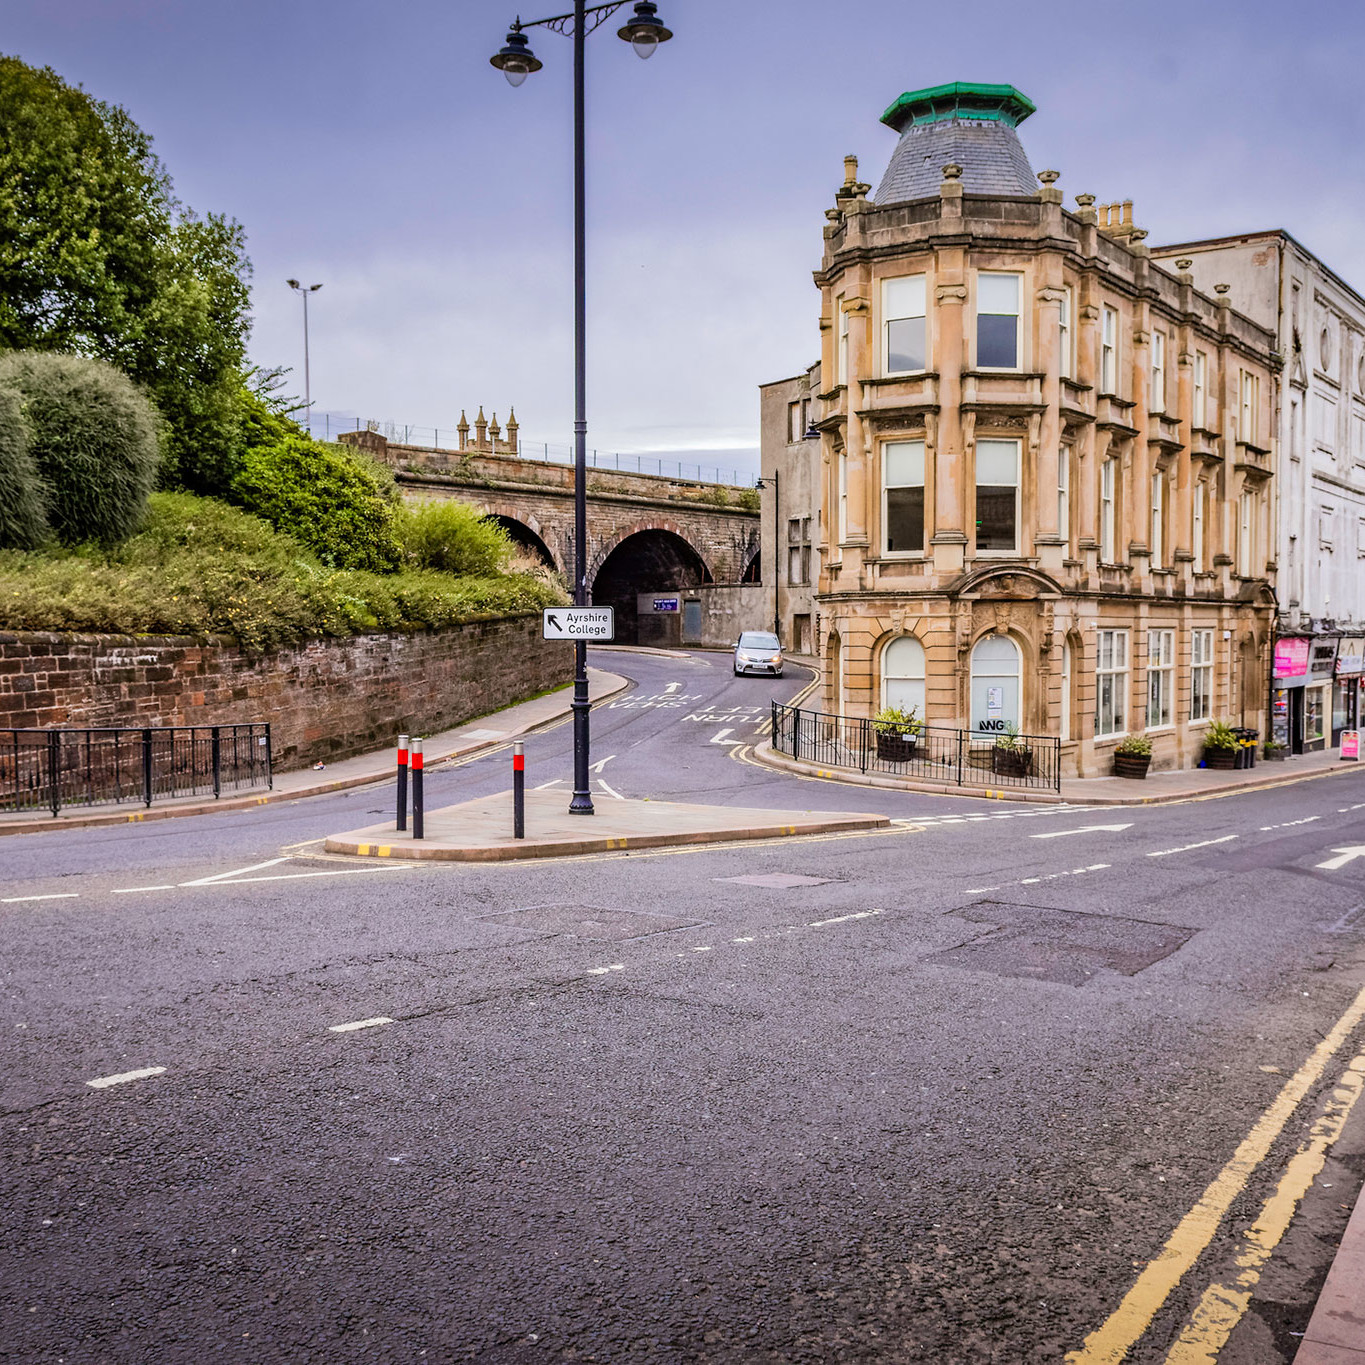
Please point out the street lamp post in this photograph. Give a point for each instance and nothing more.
(644, 32)
(305, 290)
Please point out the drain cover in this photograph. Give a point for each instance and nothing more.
(1062, 946)
(588, 921)
(777, 881)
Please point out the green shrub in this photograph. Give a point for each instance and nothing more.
(1136, 745)
(23, 498)
(893, 720)
(334, 501)
(1220, 735)
(201, 567)
(452, 537)
(94, 439)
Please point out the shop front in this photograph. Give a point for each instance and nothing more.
(1348, 689)
(1302, 692)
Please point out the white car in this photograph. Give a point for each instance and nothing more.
(758, 651)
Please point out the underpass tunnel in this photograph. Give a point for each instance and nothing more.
(646, 562)
(525, 539)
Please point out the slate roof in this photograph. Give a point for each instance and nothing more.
(972, 125)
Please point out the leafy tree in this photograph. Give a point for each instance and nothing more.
(23, 498)
(336, 502)
(98, 258)
(93, 438)
(453, 538)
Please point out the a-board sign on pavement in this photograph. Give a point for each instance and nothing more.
(579, 623)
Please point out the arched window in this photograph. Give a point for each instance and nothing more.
(995, 684)
(903, 675)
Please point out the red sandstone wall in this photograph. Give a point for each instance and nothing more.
(325, 699)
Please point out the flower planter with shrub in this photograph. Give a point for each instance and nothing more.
(1221, 746)
(1132, 756)
(897, 734)
(1010, 758)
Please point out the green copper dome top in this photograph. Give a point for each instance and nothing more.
(960, 100)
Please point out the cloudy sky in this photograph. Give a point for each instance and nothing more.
(371, 147)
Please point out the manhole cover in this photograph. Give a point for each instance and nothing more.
(1062, 946)
(589, 921)
(777, 881)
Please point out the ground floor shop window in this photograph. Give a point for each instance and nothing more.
(1160, 677)
(1201, 674)
(995, 685)
(1111, 683)
(903, 675)
(1314, 713)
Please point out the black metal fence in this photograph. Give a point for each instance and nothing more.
(965, 758)
(49, 769)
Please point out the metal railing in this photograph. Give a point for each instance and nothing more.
(965, 758)
(327, 426)
(49, 769)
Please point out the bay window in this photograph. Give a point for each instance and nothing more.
(903, 337)
(997, 495)
(997, 321)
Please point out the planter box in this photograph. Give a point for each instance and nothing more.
(1220, 758)
(896, 748)
(1012, 762)
(1132, 765)
(1275, 755)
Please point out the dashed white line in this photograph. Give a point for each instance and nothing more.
(359, 1023)
(979, 890)
(104, 1082)
(844, 919)
(553, 782)
(1186, 848)
(128, 890)
(1289, 824)
(748, 939)
(602, 971)
(52, 896)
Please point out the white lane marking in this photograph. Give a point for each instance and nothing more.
(701, 948)
(1185, 848)
(601, 782)
(1289, 824)
(748, 939)
(844, 919)
(103, 1082)
(219, 876)
(719, 737)
(359, 1023)
(602, 971)
(1084, 829)
(553, 782)
(52, 896)
(979, 890)
(1348, 855)
(1030, 881)
(295, 876)
(129, 890)
(600, 764)
(672, 687)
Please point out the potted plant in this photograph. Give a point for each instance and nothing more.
(1132, 756)
(1221, 745)
(1276, 751)
(897, 733)
(1010, 758)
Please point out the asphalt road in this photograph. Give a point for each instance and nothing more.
(945, 1098)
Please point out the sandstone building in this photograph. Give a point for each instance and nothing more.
(1045, 462)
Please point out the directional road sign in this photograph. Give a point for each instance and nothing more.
(579, 623)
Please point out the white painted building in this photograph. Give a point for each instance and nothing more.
(1317, 689)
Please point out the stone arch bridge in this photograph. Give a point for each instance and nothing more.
(646, 533)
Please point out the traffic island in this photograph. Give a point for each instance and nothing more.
(481, 830)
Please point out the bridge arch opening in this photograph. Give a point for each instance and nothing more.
(650, 561)
(753, 570)
(525, 539)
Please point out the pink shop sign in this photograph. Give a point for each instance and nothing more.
(1291, 657)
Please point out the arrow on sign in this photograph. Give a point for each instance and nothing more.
(1086, 829)
(1345, 855)
(554, 621)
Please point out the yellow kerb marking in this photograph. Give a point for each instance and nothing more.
(1110, 1343)
(383, 850)
(362, 849)
(1222, 1306)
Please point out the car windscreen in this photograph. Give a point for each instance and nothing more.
(752, 639)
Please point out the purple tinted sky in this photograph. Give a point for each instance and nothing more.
(372, 147)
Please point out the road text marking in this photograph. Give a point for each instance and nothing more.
(359, 1023)
(104, 1082)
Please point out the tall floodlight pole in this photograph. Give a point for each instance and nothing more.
(644, 32)
(305, 290)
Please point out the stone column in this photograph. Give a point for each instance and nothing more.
(949, 541)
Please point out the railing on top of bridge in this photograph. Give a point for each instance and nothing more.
(328, 426)
(49, 769)
(933, 753)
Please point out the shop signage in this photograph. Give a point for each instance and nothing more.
(1350, 745)
(1351, 655)
(665, 604)
(1291, 657)
(1322, 662)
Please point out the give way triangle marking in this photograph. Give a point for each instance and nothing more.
(1085, 829)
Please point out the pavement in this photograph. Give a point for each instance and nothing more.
(461, 742)
(1336, 1331)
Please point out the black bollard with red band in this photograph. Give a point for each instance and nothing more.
(415, 760)
(402, 783)
(518, 791)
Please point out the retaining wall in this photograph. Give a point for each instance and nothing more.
(326, 699)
